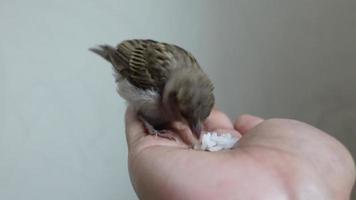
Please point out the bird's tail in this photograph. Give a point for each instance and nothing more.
(118, 57)
(104, 51)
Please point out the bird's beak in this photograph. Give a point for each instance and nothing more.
(196, 128)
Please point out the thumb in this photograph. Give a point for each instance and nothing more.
(133, 127)
(246, 122)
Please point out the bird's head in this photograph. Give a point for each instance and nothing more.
(188, 97)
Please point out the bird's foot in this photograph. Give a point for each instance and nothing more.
(160, 133)
(165, 134)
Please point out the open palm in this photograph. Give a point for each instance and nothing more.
(275, 159)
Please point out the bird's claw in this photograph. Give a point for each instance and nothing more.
(165, 134)
(160, 133)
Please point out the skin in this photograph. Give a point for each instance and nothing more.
(276, 159)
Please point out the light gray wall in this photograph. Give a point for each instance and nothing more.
(61, 122)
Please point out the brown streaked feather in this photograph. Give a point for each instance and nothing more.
(147, 64)
(141, 62)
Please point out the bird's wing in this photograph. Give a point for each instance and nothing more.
(145, 63)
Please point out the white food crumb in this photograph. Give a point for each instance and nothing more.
(212, 141)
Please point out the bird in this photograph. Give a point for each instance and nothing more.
(163, 83)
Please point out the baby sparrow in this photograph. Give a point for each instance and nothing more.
(163, 83)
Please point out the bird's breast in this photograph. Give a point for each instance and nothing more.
(146, 102)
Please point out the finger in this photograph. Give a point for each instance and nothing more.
(217, 120)
(246, 122)
(134, 128)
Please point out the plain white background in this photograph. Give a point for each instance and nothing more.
(61, 121)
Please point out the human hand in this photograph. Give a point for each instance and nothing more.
(276, 159)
